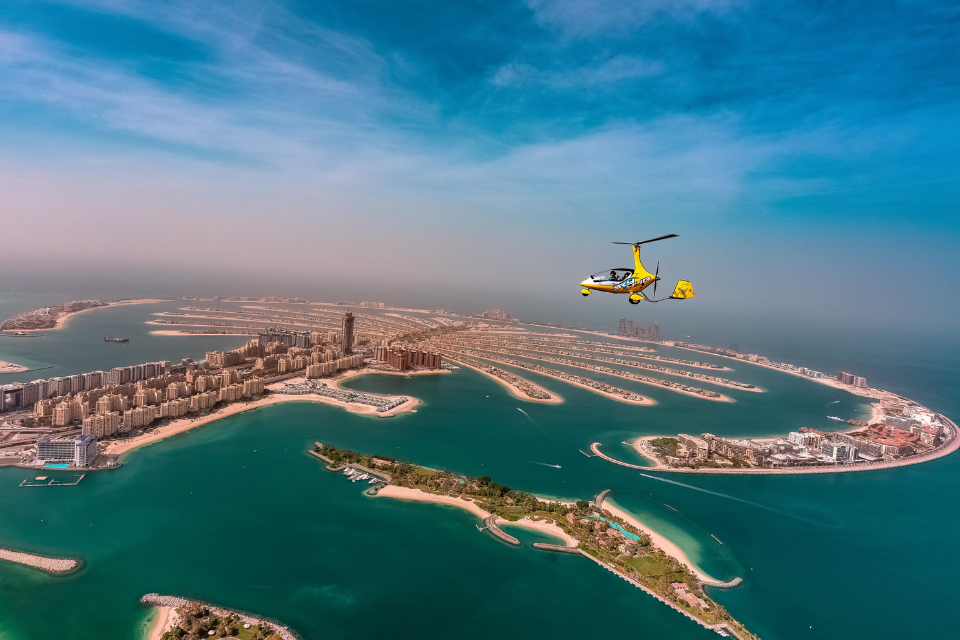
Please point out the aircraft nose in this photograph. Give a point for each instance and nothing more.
(585, 282)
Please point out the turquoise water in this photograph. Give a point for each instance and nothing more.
(202, 515)
(55, 466)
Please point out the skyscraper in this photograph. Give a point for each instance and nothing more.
(347, 333)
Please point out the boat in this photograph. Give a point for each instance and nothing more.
(669, 507)
(836, 418)
(106, 339)
(374, 479)
(715, 538)
(349, 472)
(362, 476)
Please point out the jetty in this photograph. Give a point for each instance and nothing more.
(598, 499)
(490, 524)
(560, 548)
(43, 563)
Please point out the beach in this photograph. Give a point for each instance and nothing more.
(62, 320)
(10, 367)
(185, 424)
(405, 493)
(166, 618)
(659, 541)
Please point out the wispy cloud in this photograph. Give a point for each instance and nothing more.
(609, 72)
(584, 18)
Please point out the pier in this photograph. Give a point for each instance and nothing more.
(52, 482)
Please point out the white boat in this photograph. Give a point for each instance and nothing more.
(836, 418)
(349, 472)
(374, 479)
(362, 476)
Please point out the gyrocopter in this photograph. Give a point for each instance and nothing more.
(636, 280)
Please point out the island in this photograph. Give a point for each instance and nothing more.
(55, 317)
(607, 536)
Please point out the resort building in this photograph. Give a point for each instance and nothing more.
(79, 451)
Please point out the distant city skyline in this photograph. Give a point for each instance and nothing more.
(486, 156)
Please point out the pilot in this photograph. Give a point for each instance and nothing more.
(613, 275)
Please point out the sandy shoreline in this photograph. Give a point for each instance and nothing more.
(185, 424)
(12, 367)
(405, 493)
(50, 565)
(514, 390)
(943, 450)
(660, 541)
(657, 539)
(166, 618)
(62, 320)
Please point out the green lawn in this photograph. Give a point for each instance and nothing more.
(648, 565)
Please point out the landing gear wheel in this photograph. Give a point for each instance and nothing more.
(637, 301)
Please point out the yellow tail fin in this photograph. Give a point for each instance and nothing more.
(683, 291)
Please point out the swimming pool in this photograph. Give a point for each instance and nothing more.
(55, 466)
(626, 534)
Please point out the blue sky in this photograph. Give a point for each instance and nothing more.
(806, 152)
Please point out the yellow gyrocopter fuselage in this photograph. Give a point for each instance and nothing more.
(633, 281)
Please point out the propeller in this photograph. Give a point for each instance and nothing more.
(672, 235)
(655, 278)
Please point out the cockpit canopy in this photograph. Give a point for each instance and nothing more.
(603, 275)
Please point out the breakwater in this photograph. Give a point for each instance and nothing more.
(490, 524)
(560, 548)
(43, 563)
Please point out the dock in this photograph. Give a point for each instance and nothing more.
(52, 482)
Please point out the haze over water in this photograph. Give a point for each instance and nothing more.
(201, 515)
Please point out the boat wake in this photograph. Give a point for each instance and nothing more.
(545, 464)
(830, 403)
(729, 497)
(836, 418)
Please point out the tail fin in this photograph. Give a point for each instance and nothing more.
(683, 291)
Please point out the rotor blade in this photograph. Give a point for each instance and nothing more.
(623, 243)
(672, 235)
(656, 279)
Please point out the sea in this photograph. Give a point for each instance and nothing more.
(236, 512)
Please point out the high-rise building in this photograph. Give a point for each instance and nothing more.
(347, 333)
